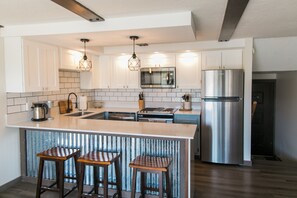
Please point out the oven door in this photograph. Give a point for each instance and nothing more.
(159, 120)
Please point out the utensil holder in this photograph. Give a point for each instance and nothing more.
(187, 105)
(141, 104)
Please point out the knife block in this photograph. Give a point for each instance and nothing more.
(141, 104)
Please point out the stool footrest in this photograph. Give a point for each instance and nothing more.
(85, 195)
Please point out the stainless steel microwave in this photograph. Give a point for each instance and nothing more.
(157, 77)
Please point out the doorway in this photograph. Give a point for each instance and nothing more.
(263, 92)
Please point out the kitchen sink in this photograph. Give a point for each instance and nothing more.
(80, 113)
(123, 116)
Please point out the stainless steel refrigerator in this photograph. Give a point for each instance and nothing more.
(222, 116)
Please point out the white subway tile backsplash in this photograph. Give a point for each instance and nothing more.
(166, 100)
(13, 95)
(26, 94)
(109, 93)
(104, 98)
(113, 98)
(13, 109)
(148, 99)
(131, 99)
(117, 93)
(9, 102)
(121, 98)
(126, 94)
(70, 82)
(161, 94)
(19, 101)
(171, 94)
(155, 99)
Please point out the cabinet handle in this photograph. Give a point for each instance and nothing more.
(127, 87)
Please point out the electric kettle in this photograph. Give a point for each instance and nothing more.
(39, 111)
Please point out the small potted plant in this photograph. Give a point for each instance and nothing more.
(187, 103)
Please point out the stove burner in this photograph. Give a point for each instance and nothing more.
(158, 110)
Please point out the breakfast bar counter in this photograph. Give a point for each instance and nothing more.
(126, 137)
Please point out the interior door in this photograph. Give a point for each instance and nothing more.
(263, 119)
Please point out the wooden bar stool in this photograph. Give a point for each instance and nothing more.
(149, 164)
(59, 155)
(100, 159)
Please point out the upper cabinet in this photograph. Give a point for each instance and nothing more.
(91, 79)
(30, 66)
(121, 76)
(188, 70)
(69, 59)
(222, 59)
(157, 60)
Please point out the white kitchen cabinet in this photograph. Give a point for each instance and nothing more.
(91, 79)
(121, 76)
(222, 59)
(69, 59)
(105, 68)
(232, 59)
(30, 66)
(157, 60)
(188, 70)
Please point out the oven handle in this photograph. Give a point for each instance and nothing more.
(155, 120)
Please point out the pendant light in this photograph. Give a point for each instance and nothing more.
(84, 63)
(134, 62)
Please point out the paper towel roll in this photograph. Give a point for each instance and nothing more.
(83, 103)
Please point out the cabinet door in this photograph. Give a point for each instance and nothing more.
(132, 79)
(32, 67)
(104, 70)
(211, 60)
(157, 60)
(91, 79)
(188, 70)
(232, 59)
(69, 59)
(52, 68)
(119, 72)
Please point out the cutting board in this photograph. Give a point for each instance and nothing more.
(63, 106)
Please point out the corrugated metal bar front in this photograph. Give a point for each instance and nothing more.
(129, 147)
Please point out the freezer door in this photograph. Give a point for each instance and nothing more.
(222, 83)
(222, 132)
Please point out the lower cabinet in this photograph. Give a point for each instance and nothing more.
(191, 119)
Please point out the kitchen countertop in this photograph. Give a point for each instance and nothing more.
(129, 128)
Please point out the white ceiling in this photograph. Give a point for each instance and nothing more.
(261, 19)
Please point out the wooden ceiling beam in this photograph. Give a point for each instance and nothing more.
(79, 9)
(233, 13)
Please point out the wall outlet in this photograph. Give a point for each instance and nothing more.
(27, 106)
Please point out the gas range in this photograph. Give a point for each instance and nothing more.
(158, 111)
(160, 114)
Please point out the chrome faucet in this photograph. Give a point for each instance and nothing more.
(68, 108)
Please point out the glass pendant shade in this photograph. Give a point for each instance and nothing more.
(134, 62)
(84, 63)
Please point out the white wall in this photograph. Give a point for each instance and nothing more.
(286, 114)
(275, 54)
(9, 138)
(247, 66)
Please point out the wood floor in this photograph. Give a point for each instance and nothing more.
(271, 179)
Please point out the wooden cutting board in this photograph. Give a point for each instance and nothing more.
(63, 106)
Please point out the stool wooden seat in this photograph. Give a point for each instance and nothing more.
(100, 159)
(59, 155)
(150, 164)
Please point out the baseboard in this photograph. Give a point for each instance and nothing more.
(10, 184)
(247, 163)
